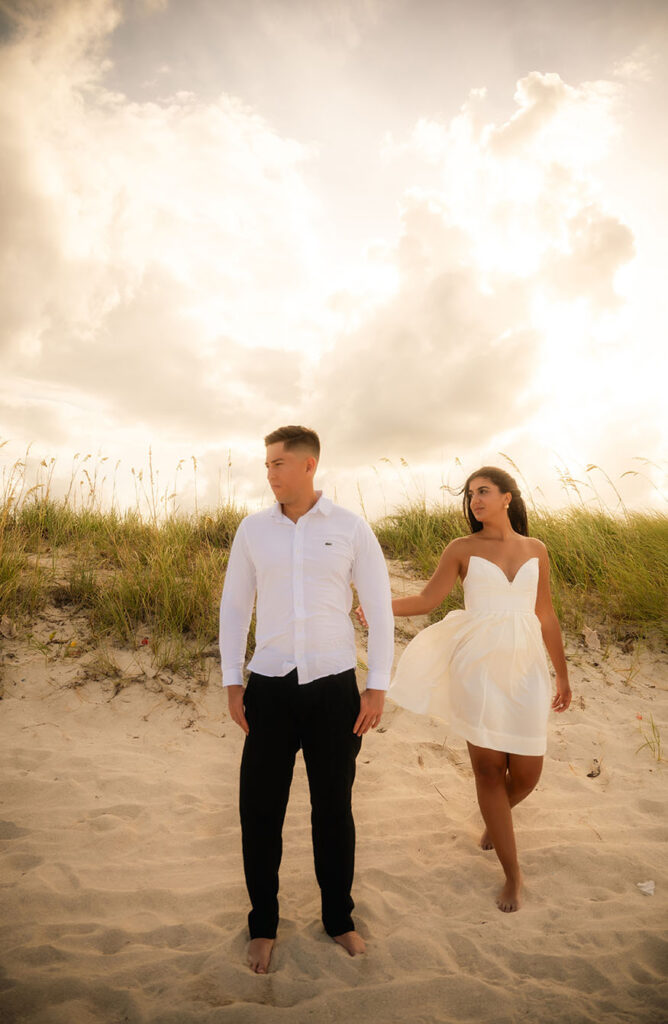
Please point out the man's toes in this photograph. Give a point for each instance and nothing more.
(259, 955)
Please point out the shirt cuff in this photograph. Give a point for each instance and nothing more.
(377, 680)
(233, 677)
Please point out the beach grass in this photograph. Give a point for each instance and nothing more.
(154, 572)
(607, 571)
(130, 577)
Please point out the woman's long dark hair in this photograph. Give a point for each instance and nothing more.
(517, 512)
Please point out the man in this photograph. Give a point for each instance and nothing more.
(299, 558)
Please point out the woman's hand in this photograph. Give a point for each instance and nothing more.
(361, 618)
(562, 697)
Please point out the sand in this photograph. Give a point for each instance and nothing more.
(121, 888)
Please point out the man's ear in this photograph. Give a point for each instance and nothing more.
(311, 464)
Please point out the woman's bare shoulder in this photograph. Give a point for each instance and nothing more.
(460, 546)
(535, 549)
(461, 543)
(459, 551)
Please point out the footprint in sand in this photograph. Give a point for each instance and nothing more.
(8, 830)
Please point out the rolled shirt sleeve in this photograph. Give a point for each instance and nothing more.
(372, 583)
(236, 609)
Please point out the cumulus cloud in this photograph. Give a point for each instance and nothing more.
(553, 116)
(597, 245)
(453, 358)
(164, 278)
(446, 361)
(146, 247)
(637, 66)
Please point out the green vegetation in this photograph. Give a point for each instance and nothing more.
(652, 740)
(127, 575)
(160, 574)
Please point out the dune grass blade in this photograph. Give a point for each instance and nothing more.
(652, 740)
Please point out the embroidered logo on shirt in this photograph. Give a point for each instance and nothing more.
(328, 543)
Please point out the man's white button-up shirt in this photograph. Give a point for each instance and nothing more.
(301, 574)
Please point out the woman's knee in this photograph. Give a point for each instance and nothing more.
(524, 773)
(489, 771)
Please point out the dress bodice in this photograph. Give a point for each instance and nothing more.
(488, 589)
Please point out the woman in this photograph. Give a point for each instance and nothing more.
(483, 669)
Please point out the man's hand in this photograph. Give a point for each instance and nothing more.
(235, 703)
(371, 709)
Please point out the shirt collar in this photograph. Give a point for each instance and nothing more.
(323, 505)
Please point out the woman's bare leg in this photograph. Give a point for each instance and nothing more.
(521, 778)
(489, 769)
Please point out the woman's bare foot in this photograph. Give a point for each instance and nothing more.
(351, 942)
(485, 842)
(508, 899)
(259, 954)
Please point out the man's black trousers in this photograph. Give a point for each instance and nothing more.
(318, 717)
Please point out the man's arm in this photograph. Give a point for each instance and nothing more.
(236, 608)
(373, 586)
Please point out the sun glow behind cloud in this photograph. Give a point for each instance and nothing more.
(169, 264)
(516, 212)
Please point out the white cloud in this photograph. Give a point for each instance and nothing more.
(488, 264)
(637, 66)
(445, 361)
(596, 246)
(146, 246)
(558, 122)
(164, 278)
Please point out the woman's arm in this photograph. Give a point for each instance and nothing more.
(551, 631)
(438, 587)
(435, 591)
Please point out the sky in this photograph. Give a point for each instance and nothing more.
(433, 231)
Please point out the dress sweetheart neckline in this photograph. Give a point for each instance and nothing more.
(481, 558)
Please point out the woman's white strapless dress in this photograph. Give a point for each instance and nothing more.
(483, 669)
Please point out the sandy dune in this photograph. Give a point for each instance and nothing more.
(121, 888)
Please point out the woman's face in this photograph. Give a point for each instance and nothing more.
(486, 499)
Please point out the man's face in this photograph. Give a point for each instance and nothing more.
(290, 473)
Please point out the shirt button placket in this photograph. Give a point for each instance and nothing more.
(298, 590)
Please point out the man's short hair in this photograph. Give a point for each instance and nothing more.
(295, 437)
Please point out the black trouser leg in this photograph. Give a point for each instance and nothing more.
(328, 708)
(266, 773)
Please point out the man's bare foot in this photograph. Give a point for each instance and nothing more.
(351, 942)
(508, 899)
(485, 842)
(259, 954)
